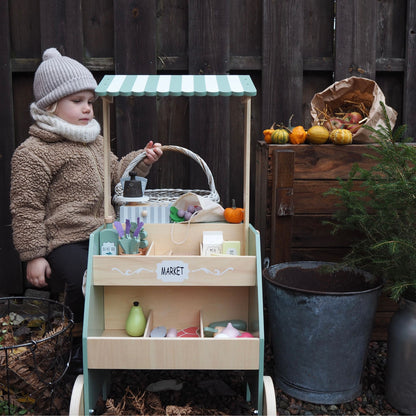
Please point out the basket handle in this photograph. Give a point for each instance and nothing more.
(170, 147)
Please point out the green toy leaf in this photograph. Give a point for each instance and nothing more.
(174, 215)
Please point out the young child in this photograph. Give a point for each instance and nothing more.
(57, 178)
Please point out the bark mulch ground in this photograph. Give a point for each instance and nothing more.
(223, 393)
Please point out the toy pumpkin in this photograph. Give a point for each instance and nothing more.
(233, 214)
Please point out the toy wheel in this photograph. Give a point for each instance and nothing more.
(76, 407)
(269, 397)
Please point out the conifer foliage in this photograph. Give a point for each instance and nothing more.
(379, 205)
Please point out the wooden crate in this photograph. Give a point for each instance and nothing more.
(290, 206)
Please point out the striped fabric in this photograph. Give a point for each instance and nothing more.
(153, 215)
(176, 85)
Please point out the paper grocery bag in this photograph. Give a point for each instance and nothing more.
(354, 89)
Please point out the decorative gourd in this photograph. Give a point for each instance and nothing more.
(268, 135)
(341, 136)
(317, 135)
(298, 135)
(233, 214)
(280, 136)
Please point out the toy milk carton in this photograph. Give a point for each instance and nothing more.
(212, 243)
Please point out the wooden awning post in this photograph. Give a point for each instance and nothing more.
(246, 191)
(107, 157)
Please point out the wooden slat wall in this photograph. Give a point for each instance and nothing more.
(10, 272)
(289, 47)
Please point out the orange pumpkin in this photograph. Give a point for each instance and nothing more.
(233, 214)
(298, 135)
(268, 135)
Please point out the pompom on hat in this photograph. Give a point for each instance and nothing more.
(59, 76)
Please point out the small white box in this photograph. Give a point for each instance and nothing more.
(231, 248)
(212, 242)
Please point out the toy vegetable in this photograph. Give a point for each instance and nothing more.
(233, 214)
(133, 237)
(136, 322)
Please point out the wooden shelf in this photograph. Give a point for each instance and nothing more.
(113, 348)
(173, 270)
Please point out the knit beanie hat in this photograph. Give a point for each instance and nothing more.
(59, 76)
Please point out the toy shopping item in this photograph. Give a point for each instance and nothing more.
(136, 321)
(132, 237)
(108, 239)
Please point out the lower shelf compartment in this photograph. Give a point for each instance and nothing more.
(115, 349)
(112, 352)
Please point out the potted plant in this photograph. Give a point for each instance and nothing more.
(379, 205)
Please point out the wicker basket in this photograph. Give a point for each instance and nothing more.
(165, 197)
(32, 367)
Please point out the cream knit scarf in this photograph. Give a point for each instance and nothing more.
(50, 122)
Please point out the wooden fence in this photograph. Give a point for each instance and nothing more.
(291, 48)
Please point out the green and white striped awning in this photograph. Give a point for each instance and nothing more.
(176, 85)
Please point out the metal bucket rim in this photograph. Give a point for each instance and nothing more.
(51, 301)
(303, 264)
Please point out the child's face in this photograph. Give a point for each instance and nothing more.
(76, 108)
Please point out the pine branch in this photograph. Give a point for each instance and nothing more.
(381, 210)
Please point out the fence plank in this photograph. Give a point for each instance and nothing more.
(61, 27)
(409, 100)
(391, 38)
(318, 51)
(390, 51)
(282, 71)
(245, 28)
(355, 40)
(11, 281)
(173, 112)
(172, 45)
(318, 24)
(98, 24)
(23, 14)
(245, 50)
(134, 53)
(209, 36)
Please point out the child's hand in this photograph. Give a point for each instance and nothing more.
(37, 270)
(153, 153)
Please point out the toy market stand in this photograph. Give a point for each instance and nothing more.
(209, 288)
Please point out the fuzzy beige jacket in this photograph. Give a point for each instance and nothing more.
(57, 191)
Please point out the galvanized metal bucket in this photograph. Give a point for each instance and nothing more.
(321, 323)
(401, 359)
